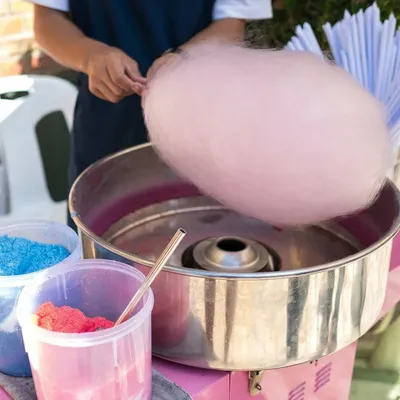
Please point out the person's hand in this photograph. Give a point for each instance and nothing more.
(157, 64)
(113, 75)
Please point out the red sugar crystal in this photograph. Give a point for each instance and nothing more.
(66, 319)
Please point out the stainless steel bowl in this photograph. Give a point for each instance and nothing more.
(238, 294)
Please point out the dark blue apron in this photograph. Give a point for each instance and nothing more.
(143, 29)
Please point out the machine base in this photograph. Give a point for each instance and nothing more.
(329, 378)
(325, 379)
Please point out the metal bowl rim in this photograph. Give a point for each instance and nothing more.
(223, 275)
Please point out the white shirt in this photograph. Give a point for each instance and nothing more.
(242, 9)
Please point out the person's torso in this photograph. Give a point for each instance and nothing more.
(143, 29)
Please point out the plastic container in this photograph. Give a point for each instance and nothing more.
(113, 364)
(13, 358)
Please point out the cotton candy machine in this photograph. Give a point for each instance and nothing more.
(238, 294)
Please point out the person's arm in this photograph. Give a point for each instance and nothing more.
(112, 74)
(62, 40)
(229, 21)
(227, 29)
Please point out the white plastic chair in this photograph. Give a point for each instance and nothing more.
(29, 196)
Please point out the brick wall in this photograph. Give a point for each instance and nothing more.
(19, 53)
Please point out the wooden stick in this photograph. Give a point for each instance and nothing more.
(158, 266)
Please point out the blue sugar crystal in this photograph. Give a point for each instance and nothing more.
(20, 256)
(17, 257)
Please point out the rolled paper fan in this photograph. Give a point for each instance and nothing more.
(368, 49)
(281, 136)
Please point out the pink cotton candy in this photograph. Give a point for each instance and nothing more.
(280, 136)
